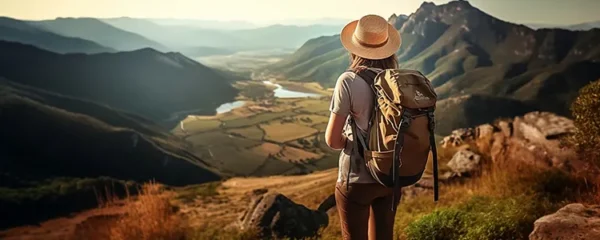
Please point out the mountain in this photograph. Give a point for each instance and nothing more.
(191, 36)
(117, 144)
(285, 36)
(178, 36)
(584, 26)
(205, 24)
(574, 27)
(158, 86)
(95, 30)
(307, 22)
(18, 31)
(58, 155)
(465, 51)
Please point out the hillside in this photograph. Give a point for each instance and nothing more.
(13, 30)
(100, 32)
(152, 84)
(59, 154)
(54, 125)
(466, 51)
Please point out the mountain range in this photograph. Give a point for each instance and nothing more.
(574, 27)
(145, 82)
(97, 31)
(14, 30)
(189, 36)
(467, 53)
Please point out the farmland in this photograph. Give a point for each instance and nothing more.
(264, 137)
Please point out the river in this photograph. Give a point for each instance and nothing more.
(280, 92)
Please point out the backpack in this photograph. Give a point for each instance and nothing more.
(400, 133)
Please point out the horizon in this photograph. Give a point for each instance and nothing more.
(551, 12)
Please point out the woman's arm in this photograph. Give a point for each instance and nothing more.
(340, 109)
(333, 135)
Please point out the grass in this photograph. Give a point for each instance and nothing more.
(310, 120)
(267, 149)
(190, 193)
(480, 218)
(239, 161)
(221, 139)
(284, 132)
(197, 125)
(255, 119)
(39, 201)
(252, 132)
(292, 154)
(151, 217)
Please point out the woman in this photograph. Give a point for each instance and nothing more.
(363, 205)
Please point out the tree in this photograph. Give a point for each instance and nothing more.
(586, 113)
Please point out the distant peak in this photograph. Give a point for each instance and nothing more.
(427, 4)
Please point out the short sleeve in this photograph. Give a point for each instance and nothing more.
(340, 100)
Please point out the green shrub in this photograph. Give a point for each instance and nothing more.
(586, 113)
(480, 218)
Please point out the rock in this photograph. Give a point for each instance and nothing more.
(574, 221)
(458, 137)
(506, 128)
(540, 127)
(327, 204)
(465, 162)
(277, 216)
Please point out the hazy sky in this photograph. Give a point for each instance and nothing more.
(260, 11)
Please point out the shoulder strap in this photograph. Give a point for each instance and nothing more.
(367, 74)
(433, 146)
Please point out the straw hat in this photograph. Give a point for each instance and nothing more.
(371, 37)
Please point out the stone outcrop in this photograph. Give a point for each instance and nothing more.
(276, 216)
(465, 162)
(533, 138)
(572, 222)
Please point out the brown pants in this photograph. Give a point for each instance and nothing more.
(366, 211)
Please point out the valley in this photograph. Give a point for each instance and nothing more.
(142, 125)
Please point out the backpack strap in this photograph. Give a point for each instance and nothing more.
(398, 147)
(359, 144)
(433, 146)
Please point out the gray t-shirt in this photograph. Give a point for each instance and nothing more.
(352, 96)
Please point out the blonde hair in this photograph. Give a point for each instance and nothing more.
(359, 63)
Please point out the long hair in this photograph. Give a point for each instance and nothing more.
(360, 63)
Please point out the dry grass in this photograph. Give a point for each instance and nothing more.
(284, 132)
(292, 154)
(266, 149)
(151, 217)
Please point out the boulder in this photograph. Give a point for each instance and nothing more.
(574, 222)
(465, 162)
(539, 127)
(276, 216)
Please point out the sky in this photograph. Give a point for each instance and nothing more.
(558, 12)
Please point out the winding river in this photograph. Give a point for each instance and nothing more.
(280, 92)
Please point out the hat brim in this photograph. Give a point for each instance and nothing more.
(375, 53)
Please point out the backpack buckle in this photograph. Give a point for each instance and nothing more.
(431, 118)
(405, 121)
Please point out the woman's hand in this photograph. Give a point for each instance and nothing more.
(333, 135)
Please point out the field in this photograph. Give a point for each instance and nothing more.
(268, 137)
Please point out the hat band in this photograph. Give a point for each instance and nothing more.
(370, 45)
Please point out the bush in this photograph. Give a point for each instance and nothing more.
(480, 218)
(586, 113)
(51, 198)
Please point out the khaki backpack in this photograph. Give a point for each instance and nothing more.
(401, 129)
